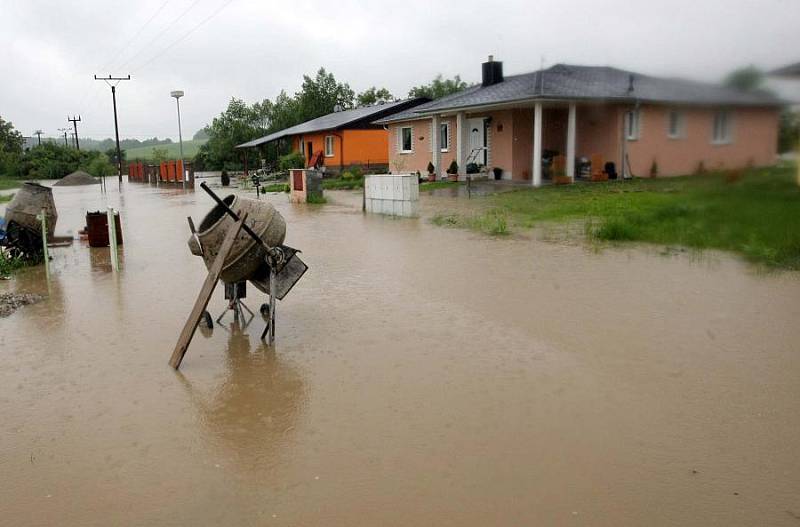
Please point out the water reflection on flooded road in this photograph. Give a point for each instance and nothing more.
(422, 376)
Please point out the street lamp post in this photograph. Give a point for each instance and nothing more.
(178, 94)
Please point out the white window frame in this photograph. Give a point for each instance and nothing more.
(400, 144)
(678, 133)
(444, 129)
(633, 125)
(328, 146)
(725, 135)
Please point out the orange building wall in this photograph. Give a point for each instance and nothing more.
(358, 147)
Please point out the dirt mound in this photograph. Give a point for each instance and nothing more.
(79, 177)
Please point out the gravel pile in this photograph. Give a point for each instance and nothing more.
(79, 177)
(10, 302)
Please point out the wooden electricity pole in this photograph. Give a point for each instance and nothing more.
(75, 120)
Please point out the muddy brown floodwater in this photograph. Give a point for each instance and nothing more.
(422, 376)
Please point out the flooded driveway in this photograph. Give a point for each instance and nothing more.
(422, 376)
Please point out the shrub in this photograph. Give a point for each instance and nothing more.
(356, 172)
(431, 168)
(617, 230)
(347, 175)
(453, 168)
(291, 160)
(473, 168)
(654, 169)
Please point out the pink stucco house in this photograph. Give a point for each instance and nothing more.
(600, 113)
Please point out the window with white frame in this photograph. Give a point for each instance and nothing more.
(632, 125)
(405, 139)
(675, 124)
(722, 128)
(328, 146)
(444, 136)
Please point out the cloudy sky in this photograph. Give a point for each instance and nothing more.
(252, 49)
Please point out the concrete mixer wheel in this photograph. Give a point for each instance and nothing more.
(264, 309)
(207, 321)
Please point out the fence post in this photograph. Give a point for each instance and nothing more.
(43, 218)
(112, 239)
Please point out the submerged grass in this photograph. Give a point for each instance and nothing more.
(6, 197)
(755, 215)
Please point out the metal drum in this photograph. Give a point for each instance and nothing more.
(246, 256)
(28, 203)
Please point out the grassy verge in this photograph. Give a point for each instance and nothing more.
(433, 185)
(6, 197)
(7, 183)
(342, 184)
(755, 213)
(275, 187)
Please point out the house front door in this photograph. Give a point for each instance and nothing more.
(477, 141)
(310, 153)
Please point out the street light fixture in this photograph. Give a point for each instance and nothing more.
(178, 94)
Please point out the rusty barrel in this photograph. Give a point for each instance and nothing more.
(246, 255)
(28, 203)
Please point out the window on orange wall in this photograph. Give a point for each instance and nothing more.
(328, 146)
(444, 136)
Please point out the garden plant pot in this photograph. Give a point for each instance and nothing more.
(431, 178)
(452, 178)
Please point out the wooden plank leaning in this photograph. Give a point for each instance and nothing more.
(205, 294)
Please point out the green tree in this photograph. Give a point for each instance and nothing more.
(159, 155)
(438, 87)
(374, 95)
(748, 78)
(320, 95)
(100, 166)
(111, 154)
(10, 148)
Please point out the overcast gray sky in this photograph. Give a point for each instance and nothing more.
(252, 49)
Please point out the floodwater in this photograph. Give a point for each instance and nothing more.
(421, 376)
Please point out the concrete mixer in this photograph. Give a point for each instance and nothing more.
(23, 225)
(240, 241)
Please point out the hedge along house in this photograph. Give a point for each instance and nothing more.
(598, 113)
(342, 139)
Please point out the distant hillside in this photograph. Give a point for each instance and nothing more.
(190, 148)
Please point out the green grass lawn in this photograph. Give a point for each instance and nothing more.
(756, 215)
(7, 183)
(190, 148)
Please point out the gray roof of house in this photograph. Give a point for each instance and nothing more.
(604, 83)
(336, 120)
(792, 70)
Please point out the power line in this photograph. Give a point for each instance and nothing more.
(160, 33)
(185, 35)
(130, 40)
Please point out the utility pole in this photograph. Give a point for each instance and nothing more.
(65, 130)
(39, 136)
(113, 81)
(75, 122)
